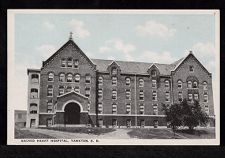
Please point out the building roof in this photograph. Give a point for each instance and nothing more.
(134, 67)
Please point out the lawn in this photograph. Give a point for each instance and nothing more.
(26, 134)
(151, 133)
(87, 130)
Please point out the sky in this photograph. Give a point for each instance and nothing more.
(162, 38)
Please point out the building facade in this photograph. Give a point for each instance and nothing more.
(71, 88)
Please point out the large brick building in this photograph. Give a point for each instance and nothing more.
(71, 88)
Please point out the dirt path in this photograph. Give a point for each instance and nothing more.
(118, 134)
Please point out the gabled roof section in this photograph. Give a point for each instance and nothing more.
(72, 92)
(183, 59)
(70, 41)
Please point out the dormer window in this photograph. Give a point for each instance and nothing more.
(114, 71)
(191, 68)
(76, 63)
(153, 73)
(70, 62)
(141, 82)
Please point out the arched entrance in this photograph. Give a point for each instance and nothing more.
(72, 113)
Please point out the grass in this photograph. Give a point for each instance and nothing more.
(198, 133)
(26, 134)
(87, 130)
(144, 133)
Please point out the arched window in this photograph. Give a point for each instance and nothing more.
(167, 84)
(34, 78)
(69, 62)
(141, 82)
(128, 81)
(153, 73)
(51, 77)
(34, 93)
(69, 78)
(114, 71)
(189, 84)
(62, 77)
(100, 80)
(195, 84)
(179, 84)
(205, 86)
(77, 78)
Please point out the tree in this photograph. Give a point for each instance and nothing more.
(193, 114)
(173, 115)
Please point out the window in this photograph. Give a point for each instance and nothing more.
(190, 97)
(33, 111)
(88, 108)
(100, 93)
(128, 108)
(195, 84)
(87, 79)
(167, 96)
(180, 96)
(100, 80)
(33, 105)
(179, 84)
(153, 73)
(69, 78)
(114, 108)
(114, 71)
(100, 108)
(49, 106)
(128, 94)
(141, 82)
(205, 98)
(205, 86)
(19, 116)
(114, 122)
(61, 90)
(51, 77)
(114, 81)
(155, 109)
(63, 63)
(34, 93)
(77, 78)
(70, 62)
(142, 123)
(34, 78)
(87, 91)
(127, 81)
(142, 108)
(128, 123)
(141, 95)
(167, 84)
(114, 94)
(196, 96)
(68, 89)
(62, 77)
(207, 109)
(191, 68)
(153, 83)
(76, 63)
(189, 84)
(155, 122)
(77, 89)
(154, 95)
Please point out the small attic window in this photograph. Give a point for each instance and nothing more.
(114, 71)
(191, 68)
(153, 73)
(63, 62)
(70, 62)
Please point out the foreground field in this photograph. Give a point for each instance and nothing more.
(109, 133)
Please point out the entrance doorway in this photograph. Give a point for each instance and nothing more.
(72, 114)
